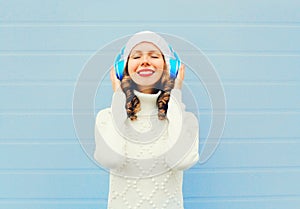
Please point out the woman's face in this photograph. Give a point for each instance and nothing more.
(145, 65)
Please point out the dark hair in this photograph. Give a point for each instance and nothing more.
(165, 85)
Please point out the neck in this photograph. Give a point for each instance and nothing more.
(148, 89)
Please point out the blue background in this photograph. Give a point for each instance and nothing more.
(254, 46)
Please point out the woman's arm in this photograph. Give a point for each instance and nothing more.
(183, 152)
(183, 130)
(109, 151)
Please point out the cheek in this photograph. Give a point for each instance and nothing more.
(132, 65)
(160, 68)
(160, 73)
(160, 64)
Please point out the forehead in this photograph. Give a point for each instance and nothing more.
(145, 47)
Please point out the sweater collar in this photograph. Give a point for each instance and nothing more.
(147, 102)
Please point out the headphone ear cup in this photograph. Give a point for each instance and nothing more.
(174, 64)
(119, 64)
(174, 67)
(119, 68)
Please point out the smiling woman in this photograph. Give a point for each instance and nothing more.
(146, 139)
(145, 66)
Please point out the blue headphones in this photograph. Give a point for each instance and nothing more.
(174, 63)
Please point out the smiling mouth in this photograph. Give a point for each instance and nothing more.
(145, 72)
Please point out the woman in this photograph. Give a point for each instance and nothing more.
(146, 139)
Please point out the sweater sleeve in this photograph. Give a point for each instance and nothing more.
(191, 157)
(109, 148)
(184, 134)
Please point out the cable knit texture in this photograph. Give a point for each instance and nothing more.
(160, 191)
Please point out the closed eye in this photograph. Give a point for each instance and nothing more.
(155, 55)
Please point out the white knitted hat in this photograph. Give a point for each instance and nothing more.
(148, 36)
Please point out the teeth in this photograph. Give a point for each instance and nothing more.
(145, 72)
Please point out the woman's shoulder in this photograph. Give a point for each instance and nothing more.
(103, 115)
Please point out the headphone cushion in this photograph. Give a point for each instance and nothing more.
(119, 68)
(174, 67)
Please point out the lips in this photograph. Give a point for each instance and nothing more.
(145, 72)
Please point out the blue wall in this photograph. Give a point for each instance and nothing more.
(254, 46)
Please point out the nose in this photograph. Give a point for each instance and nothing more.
(145, 61)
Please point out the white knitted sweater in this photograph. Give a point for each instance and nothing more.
(135, 184)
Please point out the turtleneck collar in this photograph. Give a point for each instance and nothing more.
(147, 102)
